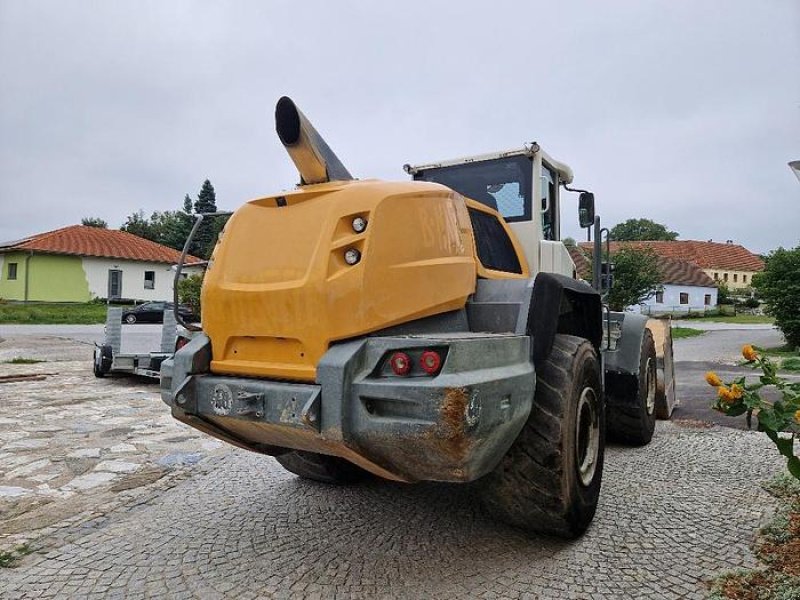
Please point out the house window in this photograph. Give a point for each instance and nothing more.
(708, 300)
(744, 278)
(660, 297)
(12, 270)
(149, 280)
(725, 277)
(735, 278)
(716, 276)
(684, 298)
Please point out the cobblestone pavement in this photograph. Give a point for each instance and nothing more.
(226, 523)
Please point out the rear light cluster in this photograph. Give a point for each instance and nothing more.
(414, 362)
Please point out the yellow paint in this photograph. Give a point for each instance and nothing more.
(279, 292)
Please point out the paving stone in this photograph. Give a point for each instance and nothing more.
(211, 521)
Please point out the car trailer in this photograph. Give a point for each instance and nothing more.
(109, 358)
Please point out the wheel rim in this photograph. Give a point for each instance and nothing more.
(130, 319)
(650, 401)
(587, 438)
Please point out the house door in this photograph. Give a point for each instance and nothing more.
(114, 283)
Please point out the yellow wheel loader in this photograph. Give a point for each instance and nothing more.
(424, 330)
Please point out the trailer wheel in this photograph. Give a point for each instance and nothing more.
(549, 480)
(321, 467)
(102, 360)
(633, 420)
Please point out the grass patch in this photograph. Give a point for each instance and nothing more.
(744, 319)
(685, 332)
(777, 548)
(786, 357)
(49, 314)
(21, 360)
(9, 557)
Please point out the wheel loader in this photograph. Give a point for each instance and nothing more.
(432, 329)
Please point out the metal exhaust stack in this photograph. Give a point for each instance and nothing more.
(313, 157)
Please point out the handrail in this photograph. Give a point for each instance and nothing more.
(179, 267)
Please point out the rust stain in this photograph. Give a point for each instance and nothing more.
(454, 409)
(450, 437)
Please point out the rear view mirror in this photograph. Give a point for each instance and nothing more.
(586, 209)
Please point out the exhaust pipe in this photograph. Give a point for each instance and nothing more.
(313, 157)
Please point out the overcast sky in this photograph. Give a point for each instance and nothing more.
(684, 112)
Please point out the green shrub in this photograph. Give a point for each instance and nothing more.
(189, 292)
(779, 286)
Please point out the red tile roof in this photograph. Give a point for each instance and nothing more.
(82, 240)
(676, 272)
(582, 264)
(706, 255)
(680, 272)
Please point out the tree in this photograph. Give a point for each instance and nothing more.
(723, 293)
(189, 291)
(636, 277)
(204, 239)
(641, 229)
(94, 222)
(138, 224)
(778, 285)
(569, 242)
(172, 227)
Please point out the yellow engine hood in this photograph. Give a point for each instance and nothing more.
(278, 290)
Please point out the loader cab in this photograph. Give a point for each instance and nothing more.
(523, 186)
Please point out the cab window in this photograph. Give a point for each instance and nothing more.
(503, 184)
(549, 203)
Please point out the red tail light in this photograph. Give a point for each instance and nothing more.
(400, 363)
(430, 362)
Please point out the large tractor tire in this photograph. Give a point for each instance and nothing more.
(549, 481)
(321, 467)
(632, 421)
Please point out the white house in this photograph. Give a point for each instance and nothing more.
(685, 288)
(79, 263)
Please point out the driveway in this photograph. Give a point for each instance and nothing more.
(718, 350)
(119, 500)
(141, 337)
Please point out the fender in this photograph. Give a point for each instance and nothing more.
(561, 304)
(621, 365)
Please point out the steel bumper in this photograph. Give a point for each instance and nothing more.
(455, 426)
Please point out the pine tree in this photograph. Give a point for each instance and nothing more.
(206, 200)
(203, 240)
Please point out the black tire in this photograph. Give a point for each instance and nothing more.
(321, 467)
(130, 319)
(632, 420)
(549, 480)
(102, 360)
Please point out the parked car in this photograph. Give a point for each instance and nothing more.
(153, 312)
